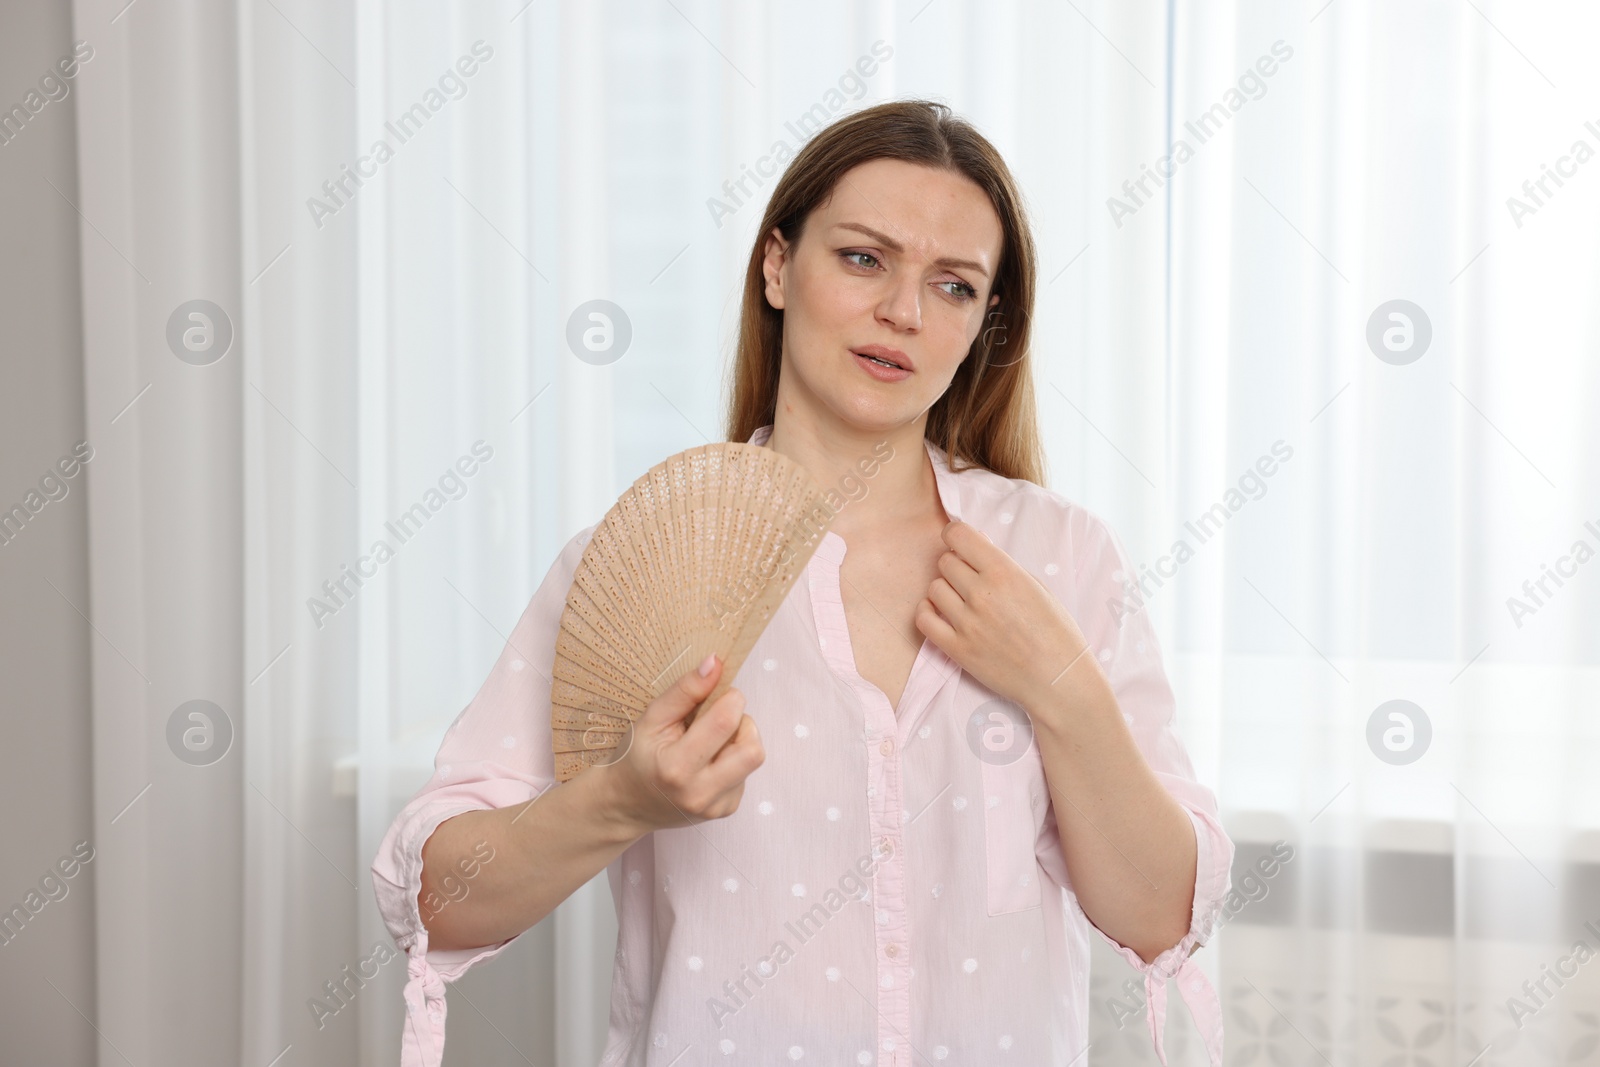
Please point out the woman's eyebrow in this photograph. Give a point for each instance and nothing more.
(895, 246)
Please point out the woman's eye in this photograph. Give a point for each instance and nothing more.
(963, 290)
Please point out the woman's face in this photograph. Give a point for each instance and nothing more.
(898, 263)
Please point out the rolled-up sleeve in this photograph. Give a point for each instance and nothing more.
(1113, 615)
(496, 753)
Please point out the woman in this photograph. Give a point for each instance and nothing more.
(958, 756)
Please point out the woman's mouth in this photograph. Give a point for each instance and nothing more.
(881, 365)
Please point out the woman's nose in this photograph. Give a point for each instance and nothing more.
(901, 306)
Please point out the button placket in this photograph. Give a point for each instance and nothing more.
(886, 804)
(889, 894)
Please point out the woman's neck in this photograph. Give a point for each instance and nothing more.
(884, 477)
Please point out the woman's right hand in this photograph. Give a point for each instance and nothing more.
(675, 775)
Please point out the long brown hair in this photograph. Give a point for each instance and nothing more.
(986, 417)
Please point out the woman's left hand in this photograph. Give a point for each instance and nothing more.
(998, 622)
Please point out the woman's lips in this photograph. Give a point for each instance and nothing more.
(881, 371)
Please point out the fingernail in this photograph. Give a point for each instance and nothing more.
(706, 664)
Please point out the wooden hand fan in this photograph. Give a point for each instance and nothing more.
(692, 559)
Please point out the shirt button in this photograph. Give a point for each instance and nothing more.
(887, 748)
(892, 950)
(886, 845)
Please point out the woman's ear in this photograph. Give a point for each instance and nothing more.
(772, 264)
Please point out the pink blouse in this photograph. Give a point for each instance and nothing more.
(958, 937)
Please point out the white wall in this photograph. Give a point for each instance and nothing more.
(44, 641)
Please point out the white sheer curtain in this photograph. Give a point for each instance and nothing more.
(541, 156)
(1374, 164)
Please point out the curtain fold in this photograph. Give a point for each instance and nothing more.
(307, 959)
(158, 195)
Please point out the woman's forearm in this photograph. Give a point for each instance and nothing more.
(1129, 846)
(489, 875)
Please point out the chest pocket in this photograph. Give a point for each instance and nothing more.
(1013, 812)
